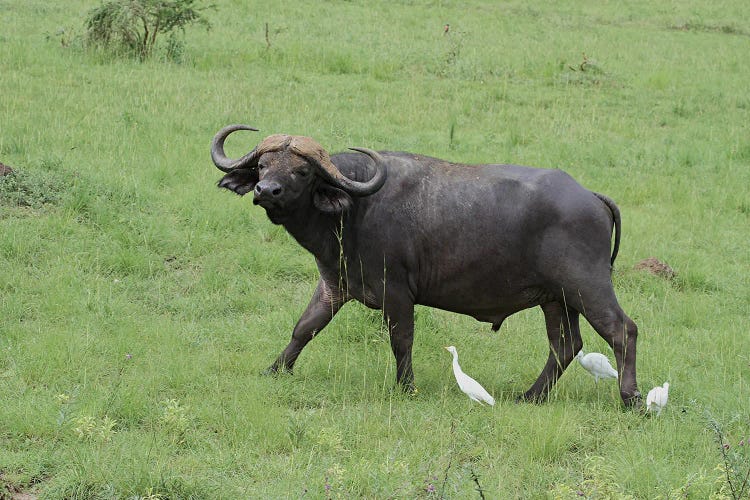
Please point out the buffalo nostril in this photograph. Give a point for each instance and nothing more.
(268, 189)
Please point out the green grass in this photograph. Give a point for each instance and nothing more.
(138, 304)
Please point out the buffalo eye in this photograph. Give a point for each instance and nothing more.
(302, 173)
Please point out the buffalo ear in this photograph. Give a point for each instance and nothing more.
(331, 200)
(240, 180)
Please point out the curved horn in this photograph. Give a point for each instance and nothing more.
(217, 149)
(356, 188)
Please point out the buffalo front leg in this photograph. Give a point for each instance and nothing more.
(323, 306)
(564, 343)
(399, 316)
(621, 333)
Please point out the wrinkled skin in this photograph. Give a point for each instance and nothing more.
(481, 240)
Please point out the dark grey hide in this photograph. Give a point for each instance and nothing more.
(399, 229)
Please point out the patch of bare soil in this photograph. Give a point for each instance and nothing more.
(12, 494)
(23, 496)
(10, 491)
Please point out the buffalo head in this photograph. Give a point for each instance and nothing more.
(288, 173)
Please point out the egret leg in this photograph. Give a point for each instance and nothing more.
(564, 342)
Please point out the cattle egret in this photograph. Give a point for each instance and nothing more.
(657, 398)
(597, 365)
(467, 384)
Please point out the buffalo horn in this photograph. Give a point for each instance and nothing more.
(356, 188)
(217, 150)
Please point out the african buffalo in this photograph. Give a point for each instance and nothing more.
(392, 230)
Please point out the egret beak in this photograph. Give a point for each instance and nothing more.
(445, 347)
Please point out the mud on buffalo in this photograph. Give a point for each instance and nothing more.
(395, 229)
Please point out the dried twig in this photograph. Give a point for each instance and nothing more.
(450, 458)
(475, 478)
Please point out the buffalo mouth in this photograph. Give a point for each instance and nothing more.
(267, 204)
(275, 212)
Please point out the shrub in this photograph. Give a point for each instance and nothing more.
(132, 27)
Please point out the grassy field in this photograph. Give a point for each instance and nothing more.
(139, 304)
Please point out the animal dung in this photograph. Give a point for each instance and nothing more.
(656, 267)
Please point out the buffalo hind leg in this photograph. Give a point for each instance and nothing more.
(564, 343)
(398, 312)
(621, 334)
(323, 306)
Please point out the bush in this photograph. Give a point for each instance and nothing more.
(132, 27)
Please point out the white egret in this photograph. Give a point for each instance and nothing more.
(471, 387)
(597, 365)
(657, 398)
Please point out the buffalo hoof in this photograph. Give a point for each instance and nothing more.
(409, 388)
(530, 397)
(634, 400)
(273, 371)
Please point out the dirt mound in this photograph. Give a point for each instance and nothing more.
(655, 267)
(5, 170)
